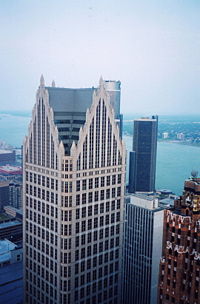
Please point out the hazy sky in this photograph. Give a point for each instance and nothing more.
(152, 46)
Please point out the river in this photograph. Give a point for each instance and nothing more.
(174, 161)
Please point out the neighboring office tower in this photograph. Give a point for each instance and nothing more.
(4, 194)
(142, 249)
(74, 173)
(180, 265)
(15, 195)
(142, 162)
(7, 157)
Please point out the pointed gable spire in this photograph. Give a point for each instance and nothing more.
(101, 82)
(42, 81)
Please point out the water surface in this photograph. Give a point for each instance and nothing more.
(174, 161)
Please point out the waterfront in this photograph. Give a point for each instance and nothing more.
(13, 127)
(174, 161)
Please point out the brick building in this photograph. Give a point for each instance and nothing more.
(180, 265)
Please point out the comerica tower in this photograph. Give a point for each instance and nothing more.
(74, 175)
(142, 170)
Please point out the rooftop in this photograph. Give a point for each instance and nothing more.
(192, 184)
(145, 201)
(70, 107)
(165, 191)
(10, 224)
(167, 201)
(5, 248)
(5, 151)
(145, 119)
(4, 217)
(11, 208)
(4, 183)
(70, 100)
(10, 169)
(78, 100)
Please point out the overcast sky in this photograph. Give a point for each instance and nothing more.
(152, 47)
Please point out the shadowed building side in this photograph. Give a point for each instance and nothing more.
(142, 170)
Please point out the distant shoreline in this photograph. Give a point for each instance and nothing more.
(180, 142)
(173, 142)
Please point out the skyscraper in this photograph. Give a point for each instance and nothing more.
(142, 162)
(180, 264)
(74, 172)
(142, 249)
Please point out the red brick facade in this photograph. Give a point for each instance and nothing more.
(180, 265)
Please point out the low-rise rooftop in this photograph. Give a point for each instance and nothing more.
(4, 183)
(5, 247)
(144, 201)
(7, 169)
(9, 224)
(5, 151)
